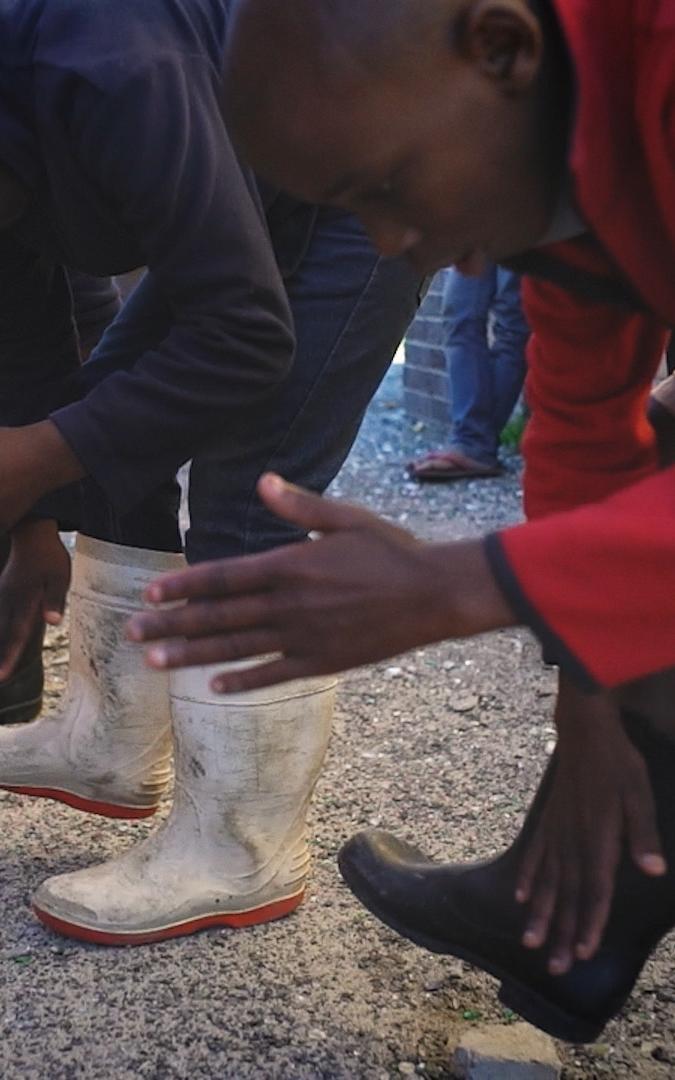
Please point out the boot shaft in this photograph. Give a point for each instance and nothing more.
(252, 744)
(105, 668)
(115, 575)
(107, 748)
(246, 766)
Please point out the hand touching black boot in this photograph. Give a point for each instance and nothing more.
(470, 911)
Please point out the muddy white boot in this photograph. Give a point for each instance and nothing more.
(108, 748)
(233, 851)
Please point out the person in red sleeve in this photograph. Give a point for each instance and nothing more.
(540, 135)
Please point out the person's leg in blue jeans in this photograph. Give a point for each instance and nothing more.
(509, 342)
(486, 336)
(469, 363)
(351, 310)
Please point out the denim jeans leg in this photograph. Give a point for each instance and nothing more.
(510, 336)
(466, 309)
(351, 310)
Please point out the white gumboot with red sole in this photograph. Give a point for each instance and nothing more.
(233, 851)
(107, 750)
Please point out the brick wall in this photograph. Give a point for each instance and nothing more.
(426, 390)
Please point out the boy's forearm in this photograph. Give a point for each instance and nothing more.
(468, 599)
(48, 458)
(40, 461)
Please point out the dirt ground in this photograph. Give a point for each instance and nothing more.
(443, 746)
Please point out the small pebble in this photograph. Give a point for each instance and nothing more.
(464, 703)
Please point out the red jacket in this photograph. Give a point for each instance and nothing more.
(593, 571)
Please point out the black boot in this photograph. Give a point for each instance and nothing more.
(21, 694)
(469, 911)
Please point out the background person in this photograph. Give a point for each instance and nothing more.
(485, 339)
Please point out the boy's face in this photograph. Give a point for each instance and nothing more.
(438, 163)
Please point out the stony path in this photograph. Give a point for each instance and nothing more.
(443, 746)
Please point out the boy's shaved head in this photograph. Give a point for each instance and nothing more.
(350, 32)
(431, 119)
(280, 48)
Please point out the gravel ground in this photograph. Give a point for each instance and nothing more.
(443, 746)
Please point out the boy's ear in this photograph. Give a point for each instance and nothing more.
(503, 38)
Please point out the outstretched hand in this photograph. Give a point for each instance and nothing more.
(363, 591)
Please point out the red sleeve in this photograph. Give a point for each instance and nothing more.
(590, 370)
(597, 584)
(590, 574)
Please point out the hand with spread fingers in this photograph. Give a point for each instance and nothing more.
(363, 591)
(366, 590)
(600, 804)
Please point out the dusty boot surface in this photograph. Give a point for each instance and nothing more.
(233, 852)
(107, 749)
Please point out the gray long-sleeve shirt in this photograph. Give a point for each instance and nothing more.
(109, 114)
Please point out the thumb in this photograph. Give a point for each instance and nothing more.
(54, 600)
(304, 508)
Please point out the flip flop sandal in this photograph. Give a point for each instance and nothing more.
(449, 466)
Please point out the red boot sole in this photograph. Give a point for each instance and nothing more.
(78, 802)
(233, 920)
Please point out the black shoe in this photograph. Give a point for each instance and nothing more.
(469, 911)
(21, 694)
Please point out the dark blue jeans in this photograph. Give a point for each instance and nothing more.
(351, 309)
(485, 361)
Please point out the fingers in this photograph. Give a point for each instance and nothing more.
(528, 870)
(257, 573)
(54, 601)
(211, 650)
(564, 935)
(261, 675)
(201, 618)
(593, 917)
(223, 577)
(304, 508)
(557, 912)
(542, 905)
(642, 828)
